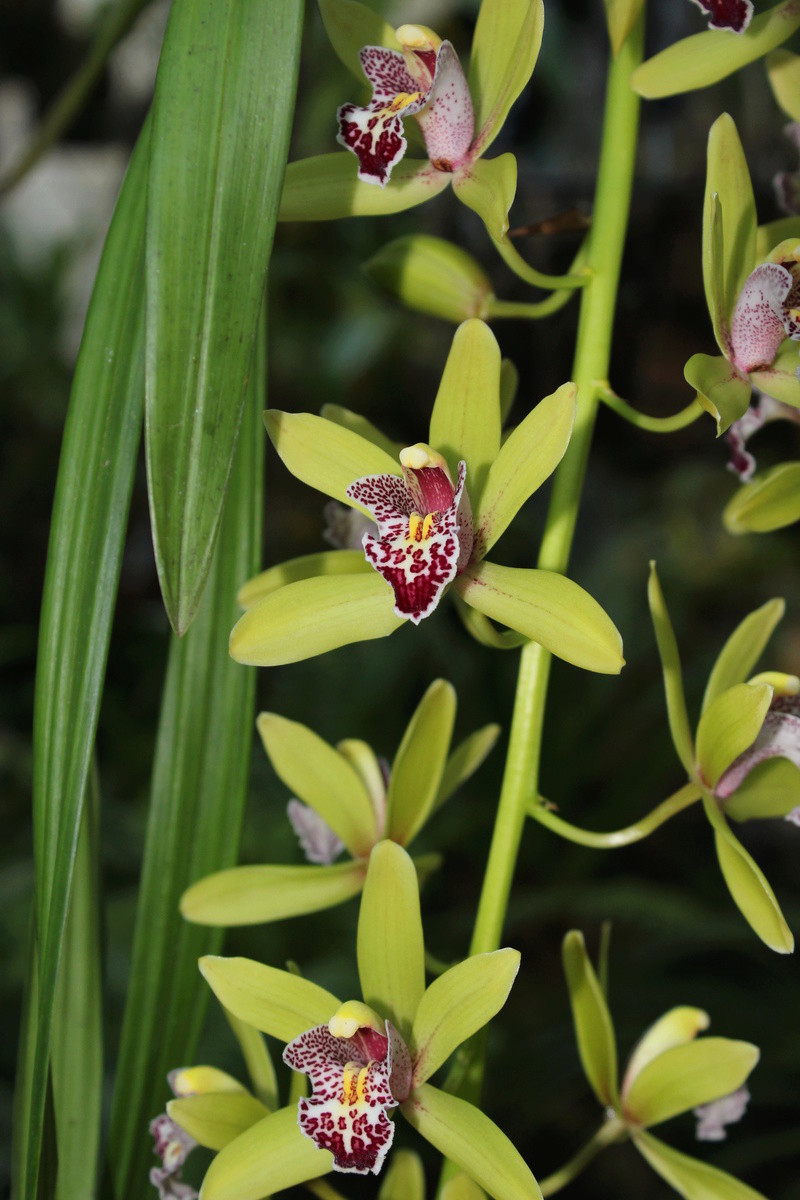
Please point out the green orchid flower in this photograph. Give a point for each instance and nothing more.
(753, 297)
(744, 759)
(344, 799)
(414, 75)
(367, 1057)
(432, 534)
(669, 1072)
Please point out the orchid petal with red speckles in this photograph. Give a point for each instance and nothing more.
(447, 121)
(760, 322)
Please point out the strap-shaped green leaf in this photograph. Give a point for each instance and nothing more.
(770, 501)
(405, 1177)
(350, 26)
(743, 649)
(685, 1076)
(254, 895)
(594, 1031)
(458, 1004)
(279, 1003)
(748, 885)
(529, 456)
(488, 187)
(90, 510)
(671, 667)
(729, 195)
(319, 776)
(221, 118)
(547, 608)
(308, 566)
(324, 454)
(691, 1178)
(677, 1026)
(391, 954)
(419, 764)
(783, 72)
(312, 616)
(465, 760)
(327, 188)
(728, 726)
(465, 423)
(269, 1157)
(707, 57)
(505, 46)
(470, 1139)
(723, 392)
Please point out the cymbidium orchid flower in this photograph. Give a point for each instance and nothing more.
(770, 500)
(438, 511)
(670, 1071)
(366, 1058)
(347, 801)
(414, 74)
(744, 759)
(754, 305)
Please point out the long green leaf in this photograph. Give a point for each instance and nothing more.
(199, 788)
(221, 118)
(95, 477)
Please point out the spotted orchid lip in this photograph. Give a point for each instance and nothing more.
(734, 15)
(764, 316)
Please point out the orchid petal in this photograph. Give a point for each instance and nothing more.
(465, 760)
(321, 777)
(276, 1002)
(547, 608)
(405, 1178)
(470, 1139)
(770, 789)
(748, 885)
(783, 72)
(432, 276)
(594, 1031)
(311, 617)
(269, 1157)
(350, 26)
(216, 1118)
(327, 188)
(778, 737)
(508, 35)
(691, 1178)
(743, 649)
(254, 895)
(733, 15)
(705, 58)
(419, 763)
(509, 384)
(465, 422)
(780, 381)
(529, 456)
(447, 120)
(488, 187)
(361, 426)
(371, 771)
(457, 1004)
(772, 233)
(669, 654)
(728, 726)
(391, 955)
(687, 1075)
(461, 1187)
(375, 135)
(325, 455)
(758, 325)
(481, 628)
(770, 501)
(721, 389)
(309, 566)
(675, 1028)
(621, 16)
(714, 274)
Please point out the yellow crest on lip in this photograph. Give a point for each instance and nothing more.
(352, 1016)
(419, 456)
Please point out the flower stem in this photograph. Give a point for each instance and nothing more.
(678, 420)
(495, 308)
(513, 259)
(674, 804)
(613, 1131)
(598, 298)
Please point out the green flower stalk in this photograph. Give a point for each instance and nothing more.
(344, 799)
(366, 1057)
(432, 533)
(669, 1072)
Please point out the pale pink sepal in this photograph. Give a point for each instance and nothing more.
(317, 840)
(760, 321)
(447, 121)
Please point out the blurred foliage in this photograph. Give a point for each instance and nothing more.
(677, 937)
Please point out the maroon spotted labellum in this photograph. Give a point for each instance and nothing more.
(734, 15)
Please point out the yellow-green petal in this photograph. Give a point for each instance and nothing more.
(391, 954)
(327, 188)
(405, 1178)
(364, 428)
(254, 895)
(705, 58)
(350, 26)
(457, 1004)
(325, 455)
(728, 726)
(676, 1027)
(770, 789)
(269, 1157)
(783, 72)
(258, 1060)
(419, 764)
(727, 179)
(472, 1141)
(673, 676)
(594, 1031)
(216, 1118)
(465, 422)
(770, 501)
(528, 457)
(748, 885)
(722, 391)
(194, 1081)
(308, 566)
(509, 383)
(772, 233)
(780, 380)
(461, 1187)
(488, 187)
(277, 1002)
(465, 760)
(432, 276)
(321, 778)
(314, 616)
(621, 17)
(482, 629)
(714, 272)
(691, 1178)
(686, 1076)
(743, 649)
(505, 46)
